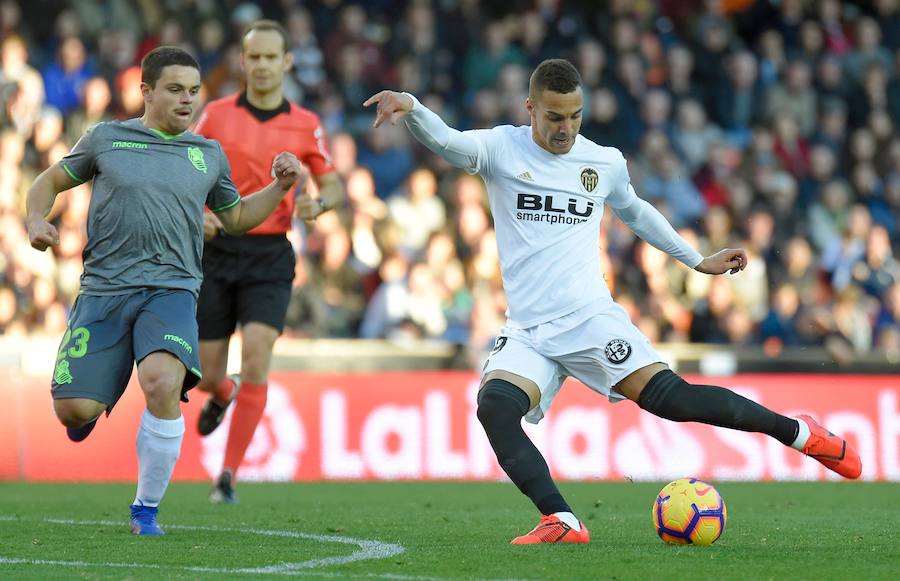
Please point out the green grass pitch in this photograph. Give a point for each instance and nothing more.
(830, 530)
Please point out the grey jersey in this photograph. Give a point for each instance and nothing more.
(145, 223)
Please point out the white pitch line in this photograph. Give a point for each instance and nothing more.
(368, 549)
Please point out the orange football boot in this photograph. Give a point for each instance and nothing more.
(831, 451)
(553, 530)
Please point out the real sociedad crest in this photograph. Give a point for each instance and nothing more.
(589, 179)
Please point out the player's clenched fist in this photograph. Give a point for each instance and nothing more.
(391, 104)
(308, 208)
(288, 171)
(731, 260)
(42, 234)
(211, 225)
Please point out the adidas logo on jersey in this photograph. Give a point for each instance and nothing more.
(526, 176)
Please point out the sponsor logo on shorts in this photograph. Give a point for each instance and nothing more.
(180, 341)
(618, 350)
(499, 344)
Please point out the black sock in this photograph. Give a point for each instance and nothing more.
(501, 406)
(669, 396)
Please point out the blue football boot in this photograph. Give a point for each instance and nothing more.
(143, 520)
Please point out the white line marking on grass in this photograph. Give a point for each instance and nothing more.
(367, 550)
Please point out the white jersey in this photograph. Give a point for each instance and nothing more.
(547, 210)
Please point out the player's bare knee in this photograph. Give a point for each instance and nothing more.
(254, 371)
(76, 412)
(255, 364)
(161, 389)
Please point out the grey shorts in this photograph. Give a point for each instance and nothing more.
(107, 335)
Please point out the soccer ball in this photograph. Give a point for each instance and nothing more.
(689, 511)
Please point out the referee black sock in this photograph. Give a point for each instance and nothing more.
(501, 406)
(669, 396)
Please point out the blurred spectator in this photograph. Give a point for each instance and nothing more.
(94, 109)
(832, 130)
(738, 102)
(790, 146)
(772, 62)
(680, 81)
(795, 96)
(669, 183)
(693, 135)
(867, 49)
(590, 58)
(604, 124)
(878, 270)
(339, 286)
(210, 43)
(871, 94)
(417, 211)
(828, 216)
(851, 321)
(306, 315)
(779, 328)
(65, 78)
(812, 42)
(888, 18)
(21, 86)
(309, 61)
(710, 313)
(386, 154)
(781, 138)
(363, 38)
(822, 167)
(836, 39)
(483, 62)
(842, 252)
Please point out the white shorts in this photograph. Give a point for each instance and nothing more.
(597, 344)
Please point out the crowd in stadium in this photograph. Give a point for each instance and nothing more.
(766, 125)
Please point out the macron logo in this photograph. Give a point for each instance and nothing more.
(525, 176)
(129, 145)
(180, 341)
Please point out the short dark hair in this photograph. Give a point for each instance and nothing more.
(557, 75)
(267, 25)
(156, 60)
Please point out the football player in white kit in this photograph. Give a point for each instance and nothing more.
(548, 186)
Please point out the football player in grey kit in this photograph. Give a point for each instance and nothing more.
(151, 179)
(548, 186)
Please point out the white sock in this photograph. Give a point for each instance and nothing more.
(803, 435)
(158, 446)
(568, 518)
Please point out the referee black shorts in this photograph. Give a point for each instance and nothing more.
(246, 279)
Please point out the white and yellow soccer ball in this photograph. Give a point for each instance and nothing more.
(689, 511)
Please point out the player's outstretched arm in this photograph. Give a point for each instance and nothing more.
(253, 209)
(650, 225)
(41, 195)
(459, 149)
